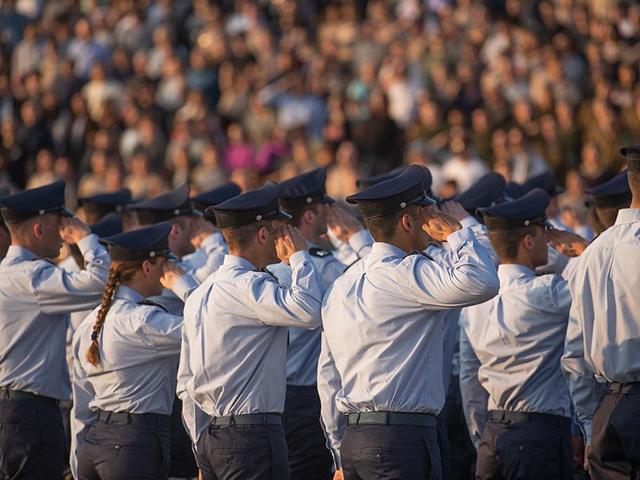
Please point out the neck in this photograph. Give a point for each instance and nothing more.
(308, 234)
(257, 258)
(635, 202)
(141, 287)
(28, 246)
(525, 262)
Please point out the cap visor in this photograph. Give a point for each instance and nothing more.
(280, 216)
(545, 224)
(194, 213)
(426, 201)
(437, 198)
(327, 199)
(170, 256)
(65, 212)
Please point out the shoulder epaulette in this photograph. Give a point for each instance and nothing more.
(266, 270)
(418, 252)
(319, 252)
(151, 303)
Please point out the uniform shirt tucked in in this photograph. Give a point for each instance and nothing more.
(603, 338)
(518, 338)
(36, 297)
(304, 345)
(383, 330)
(139, 353)
(233, 358)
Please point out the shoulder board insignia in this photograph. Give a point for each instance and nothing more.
(151, 303)
(418, 252)
(319, 252)
(267, 271)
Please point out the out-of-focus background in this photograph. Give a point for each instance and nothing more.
(150, 94)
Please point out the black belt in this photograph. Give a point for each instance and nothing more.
(529, 417)
(249, 419)
(7, 394)
(124, 418)
(392, 418)
(628, 387)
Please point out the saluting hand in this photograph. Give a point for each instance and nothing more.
(454, 209)
(72, 230)
(342, 223)
(201, 230)
(338, 475)
(289, 241)
(170, 273)
(567, 243)
(437, 224)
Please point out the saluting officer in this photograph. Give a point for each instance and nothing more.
(210, 245)
(304, 198)
(602, 339)
(381, 357)
(35, 298)
(96, 207)
(125, 357)
(233, 359)
(518, 338)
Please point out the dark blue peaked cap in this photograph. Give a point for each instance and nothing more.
(141, 244)
(304, 190)
(165, 207)
(546, 181)
(526, 210)
(37, 201)
(632, 153)
(106, 202)
(214, 197)
(250, 207)
(487, 191)
(428, 180)
(394, 194)
(107, 226)
(613, 193)
(513, 190)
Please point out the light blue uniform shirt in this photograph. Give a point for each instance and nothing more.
(139, 352)
(603, 338)
(36, 297)
(233, 358)
(304, 345)
(383, 330)
(518, 338)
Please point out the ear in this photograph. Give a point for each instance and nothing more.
(262, 236)
(308, 216)
(146, 268)
(175, 230)
(528, 242)
(407, 222)
(37, 228)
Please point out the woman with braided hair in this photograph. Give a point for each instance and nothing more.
(126, 354)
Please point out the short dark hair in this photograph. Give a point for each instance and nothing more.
(506, 242)
(634, 183)
(241, 238)
(383, 228)
(607, 216)
(297, 213)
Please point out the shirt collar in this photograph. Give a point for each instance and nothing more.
(235, 261)
(16, 253)
(387, 250)
(126, 293)
(513, 271)
(628, 215)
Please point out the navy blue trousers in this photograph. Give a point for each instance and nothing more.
(133, 449)
(309, 458)
(32, 441)
(183, 462)
(243, 452)
(390, 452)
(527, 450)
(615, 437)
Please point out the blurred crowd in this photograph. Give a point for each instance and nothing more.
(151, 94)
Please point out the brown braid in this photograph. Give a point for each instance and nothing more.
(119, 273)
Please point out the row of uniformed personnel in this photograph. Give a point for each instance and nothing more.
(248, 347)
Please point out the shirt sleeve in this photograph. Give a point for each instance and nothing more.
(361, 242)
(215, 249)
(193, 419)
(333, 422)
(583, 386)
(59, 291)
(163, 330)
(474, 397)
(298, 306)
(471, 279)
(82, 417)
(184, 286)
